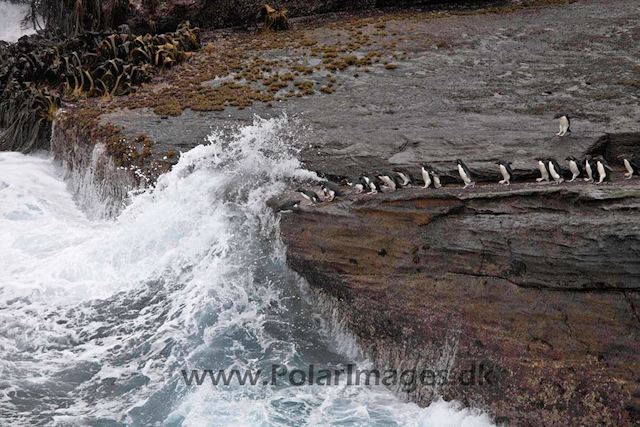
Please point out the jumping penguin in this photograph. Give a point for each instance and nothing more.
(631, 164)
(435, 175)
(505, 170)
(589, 167)
(288, 206)
(425, 175)
(544, 173)
(358, 184)
(331, 190)
(390, 179)
(405, 176)
(602, 166)
(310, 195)
(463, 170)
(554, 170)
(565, 124)
(574, 167)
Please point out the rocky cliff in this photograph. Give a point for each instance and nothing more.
(536, 285)
(526, 297)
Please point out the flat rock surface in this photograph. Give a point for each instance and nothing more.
(478, 87)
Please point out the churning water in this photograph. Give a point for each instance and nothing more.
(11, 15)
(98, 318)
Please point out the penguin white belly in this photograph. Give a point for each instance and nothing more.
(426, 178)
(629, 169)
(564, 125)
(464, 175)
(359, 188)
(573, 167)
(552, 170)
(543, 172)
(389, 182)
(504, 173)
(601, 172)
(332, 195)
(587, 167)
(436, 181)
(405, 179)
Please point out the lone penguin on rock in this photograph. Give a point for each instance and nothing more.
(330, 190)
(425, 175)
(544, 172)
(602, 166)
(405, 176)
(288, 206)
(565, 124)
(589, 168)
(465, 174)
(631, 164)
(505, 170)
(310, 195)
(554, 170)
(574, 167)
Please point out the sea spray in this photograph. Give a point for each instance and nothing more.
(99, 318)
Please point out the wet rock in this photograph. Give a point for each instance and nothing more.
(526, 296)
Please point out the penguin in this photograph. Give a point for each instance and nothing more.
(391, 180)
(310, 195)
(405, 176)
(425, 175)
(331, 190)
(544, 173)
(590, 168)
(602, 166)
(631, 164)
(554, 170)
(435, 175)
(463, 170)
(288, 206)
(505, 170)
(565, 124)
(373, 183)
(574, 167)
(358, 184)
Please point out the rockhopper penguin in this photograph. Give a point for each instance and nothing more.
(310, 195)
(505, 170)
(574, 167)
(331, 190)
(602, 166)
(425, 175)
(390, 179)
(463, 170)
(405, 176)
(554, 170)
(565, 124)
(288, 206)
(435, 175)
(544, 173)
(590, 168)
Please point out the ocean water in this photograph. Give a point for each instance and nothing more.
(98, 318)
(11, 15)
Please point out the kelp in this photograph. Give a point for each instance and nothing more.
(38, 72)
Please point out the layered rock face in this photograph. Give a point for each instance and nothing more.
(526, 297)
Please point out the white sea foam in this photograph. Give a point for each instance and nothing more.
(11, 16)
(97, 318)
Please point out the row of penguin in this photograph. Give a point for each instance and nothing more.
(592, 169)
